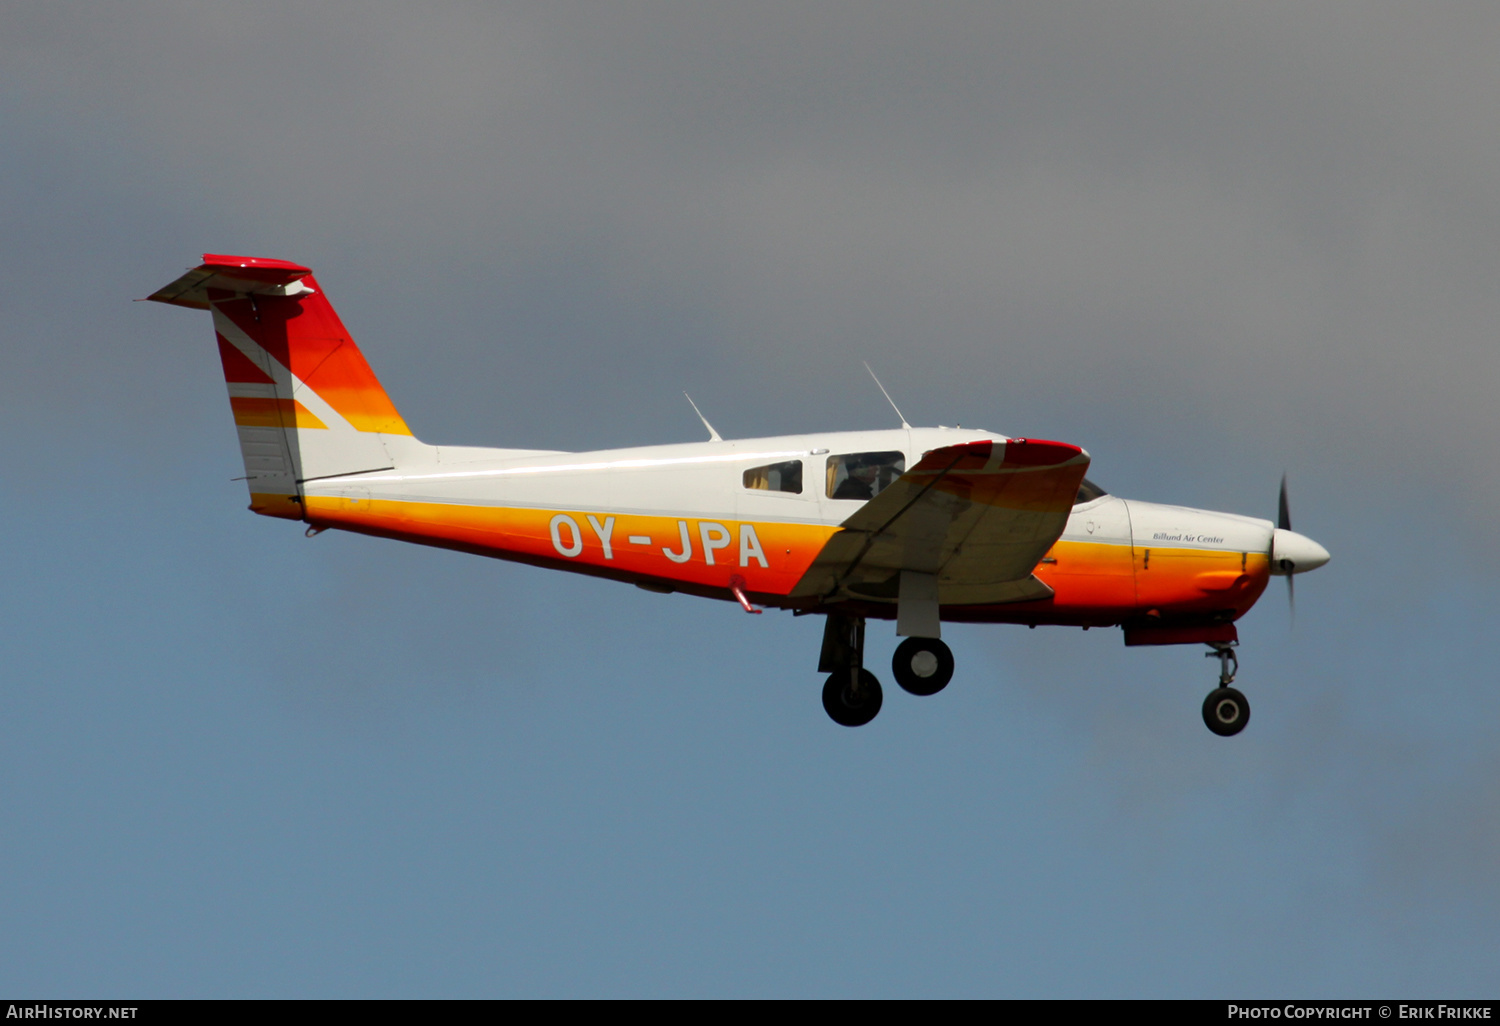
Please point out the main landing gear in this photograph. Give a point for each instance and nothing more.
(1225, 711)
(922, 666)
(851, 695)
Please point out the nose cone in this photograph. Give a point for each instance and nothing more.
(1293, 553)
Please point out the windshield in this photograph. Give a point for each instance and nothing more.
(1088, 492)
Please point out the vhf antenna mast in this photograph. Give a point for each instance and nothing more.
(882, 392)
(713, 436)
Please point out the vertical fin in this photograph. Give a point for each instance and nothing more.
(305, 402)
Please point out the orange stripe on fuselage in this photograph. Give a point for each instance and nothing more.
(1093, 582)
(257, 411)
(1090, 577)
(1199, 580)
(737, 547)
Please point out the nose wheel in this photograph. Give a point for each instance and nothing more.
(1225, 710)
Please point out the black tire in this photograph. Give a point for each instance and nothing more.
(1225, 712)
(846, 707)
(922, 666)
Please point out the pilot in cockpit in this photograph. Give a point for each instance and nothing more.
(860, 484)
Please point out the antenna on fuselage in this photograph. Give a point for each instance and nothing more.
(713, 436)
(884, 393)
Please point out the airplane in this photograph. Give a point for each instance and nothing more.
(915, 525)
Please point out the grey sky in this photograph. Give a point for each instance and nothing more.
(1207, 242)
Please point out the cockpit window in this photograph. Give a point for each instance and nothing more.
(776, 477)
(863, 475)
(1088, 492)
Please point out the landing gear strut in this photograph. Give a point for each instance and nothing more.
(851, 695)
(1225, 711)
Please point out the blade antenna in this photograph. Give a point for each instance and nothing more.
(887, 395)
(713, 436)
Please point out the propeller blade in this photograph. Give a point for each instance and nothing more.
(1284, 522)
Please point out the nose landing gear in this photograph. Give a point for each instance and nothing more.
(1225, 710)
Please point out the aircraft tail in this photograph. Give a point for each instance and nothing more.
(305, 402)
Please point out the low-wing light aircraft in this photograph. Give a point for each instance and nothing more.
(918, 525)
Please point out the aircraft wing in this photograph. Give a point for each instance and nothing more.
(979, 516)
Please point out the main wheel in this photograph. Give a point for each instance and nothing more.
(847, 707)
(1225, 712)
(923, 666)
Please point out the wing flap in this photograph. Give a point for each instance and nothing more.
(979, 515)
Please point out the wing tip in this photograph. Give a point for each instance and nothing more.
(1041, 452)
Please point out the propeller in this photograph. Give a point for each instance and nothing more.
(1292, 553)
(1284, 522)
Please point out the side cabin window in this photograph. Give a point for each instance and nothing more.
(863, 475)
(776, 477)
(1088, 492)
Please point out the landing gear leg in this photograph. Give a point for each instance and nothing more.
(1225, 711)
(851, 695)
